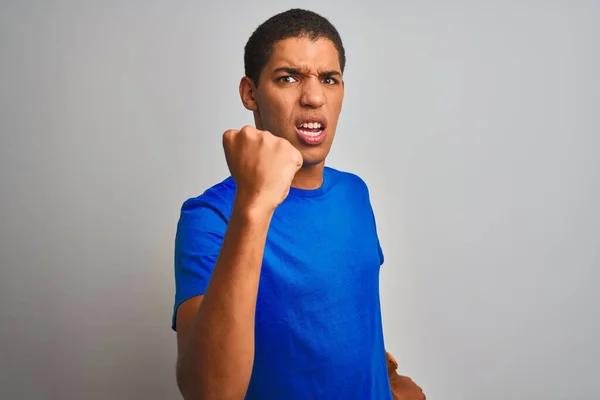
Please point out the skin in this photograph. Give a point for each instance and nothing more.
(316, 90)
(215, 332)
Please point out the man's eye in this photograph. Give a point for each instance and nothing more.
(287, 79)
(330, 81)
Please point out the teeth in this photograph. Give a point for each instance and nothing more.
(311, 125)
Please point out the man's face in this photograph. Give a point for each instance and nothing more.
(300, 93)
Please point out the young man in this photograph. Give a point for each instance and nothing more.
(277, 266)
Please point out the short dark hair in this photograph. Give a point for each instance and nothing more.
(292, 23)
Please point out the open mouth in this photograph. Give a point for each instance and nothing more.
(311, 132)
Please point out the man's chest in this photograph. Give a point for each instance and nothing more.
(331, 254)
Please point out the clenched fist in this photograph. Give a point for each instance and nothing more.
(262, 166)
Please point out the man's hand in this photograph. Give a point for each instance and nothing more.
(262, 166)
(403, 388)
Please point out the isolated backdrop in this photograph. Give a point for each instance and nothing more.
(475, 125)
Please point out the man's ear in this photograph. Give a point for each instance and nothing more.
(248, 94)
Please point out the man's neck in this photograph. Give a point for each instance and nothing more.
(309, 177)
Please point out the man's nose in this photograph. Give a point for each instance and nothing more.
(312, 93)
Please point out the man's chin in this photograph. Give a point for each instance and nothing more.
(310, 163)
(313, 155)
(312, 160)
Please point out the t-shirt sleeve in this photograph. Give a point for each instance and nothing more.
(372, 214)
(200, 232)
(379, 249)
(381, 257)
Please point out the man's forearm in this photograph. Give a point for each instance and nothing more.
(217, 358)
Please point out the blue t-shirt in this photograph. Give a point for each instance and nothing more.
(318, 329)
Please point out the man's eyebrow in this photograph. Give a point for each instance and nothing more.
(288, 70)
(297, 71)
(332, 73)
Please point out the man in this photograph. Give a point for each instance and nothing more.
(277, 266)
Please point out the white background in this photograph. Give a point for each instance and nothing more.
(475, 125)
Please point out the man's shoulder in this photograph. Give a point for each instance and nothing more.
(346, 179)
(218, 197)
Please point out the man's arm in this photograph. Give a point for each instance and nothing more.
(215, 332)
(215, 336)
